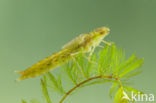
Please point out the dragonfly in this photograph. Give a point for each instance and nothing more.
(84, 43)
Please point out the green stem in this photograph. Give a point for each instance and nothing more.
(85, 81)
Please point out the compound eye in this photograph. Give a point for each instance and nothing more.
(102, 30)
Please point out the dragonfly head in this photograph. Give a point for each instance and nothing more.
(98, 35)
(102, 31)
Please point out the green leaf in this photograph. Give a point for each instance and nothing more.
(135, 64)
(45, 91)
(130, 89)
(60, 85)
(119, 96)
(119, 59)
(34, 101)
(56, 84)
(127, 63)
(68, 69)
(103, 61)
(113, 89)
(79, 67)
(132, 74)
(23, 101)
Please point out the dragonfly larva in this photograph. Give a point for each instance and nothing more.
(84, 43)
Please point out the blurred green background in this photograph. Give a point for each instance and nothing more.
(33, 29)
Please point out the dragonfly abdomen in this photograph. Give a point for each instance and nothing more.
(46, 65)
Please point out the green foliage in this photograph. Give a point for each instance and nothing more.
(54, 84)
(23, 101)
(31, 101)
(113, 89)
(34, 101)
(45, 91)
(107, 65)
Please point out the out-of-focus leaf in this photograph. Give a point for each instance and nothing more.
(52, 79)
(68, 69)
(132, 74)
(91, 66)
(119, 96)
(113, 89)
(60, 85)
(45, 91)
(127, 63)
(137, 63)
(34, 101)
(103, 64)
(23, 101)
(130, 89)
(55, 84)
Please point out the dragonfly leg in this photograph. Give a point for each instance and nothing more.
(91, 52)
(89, 60)
(108, 43)
(101, 46)
(80, 68)
(75, 53)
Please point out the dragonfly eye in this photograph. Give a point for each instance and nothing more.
(102, 30)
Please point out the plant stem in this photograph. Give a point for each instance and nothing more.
(85, 81)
